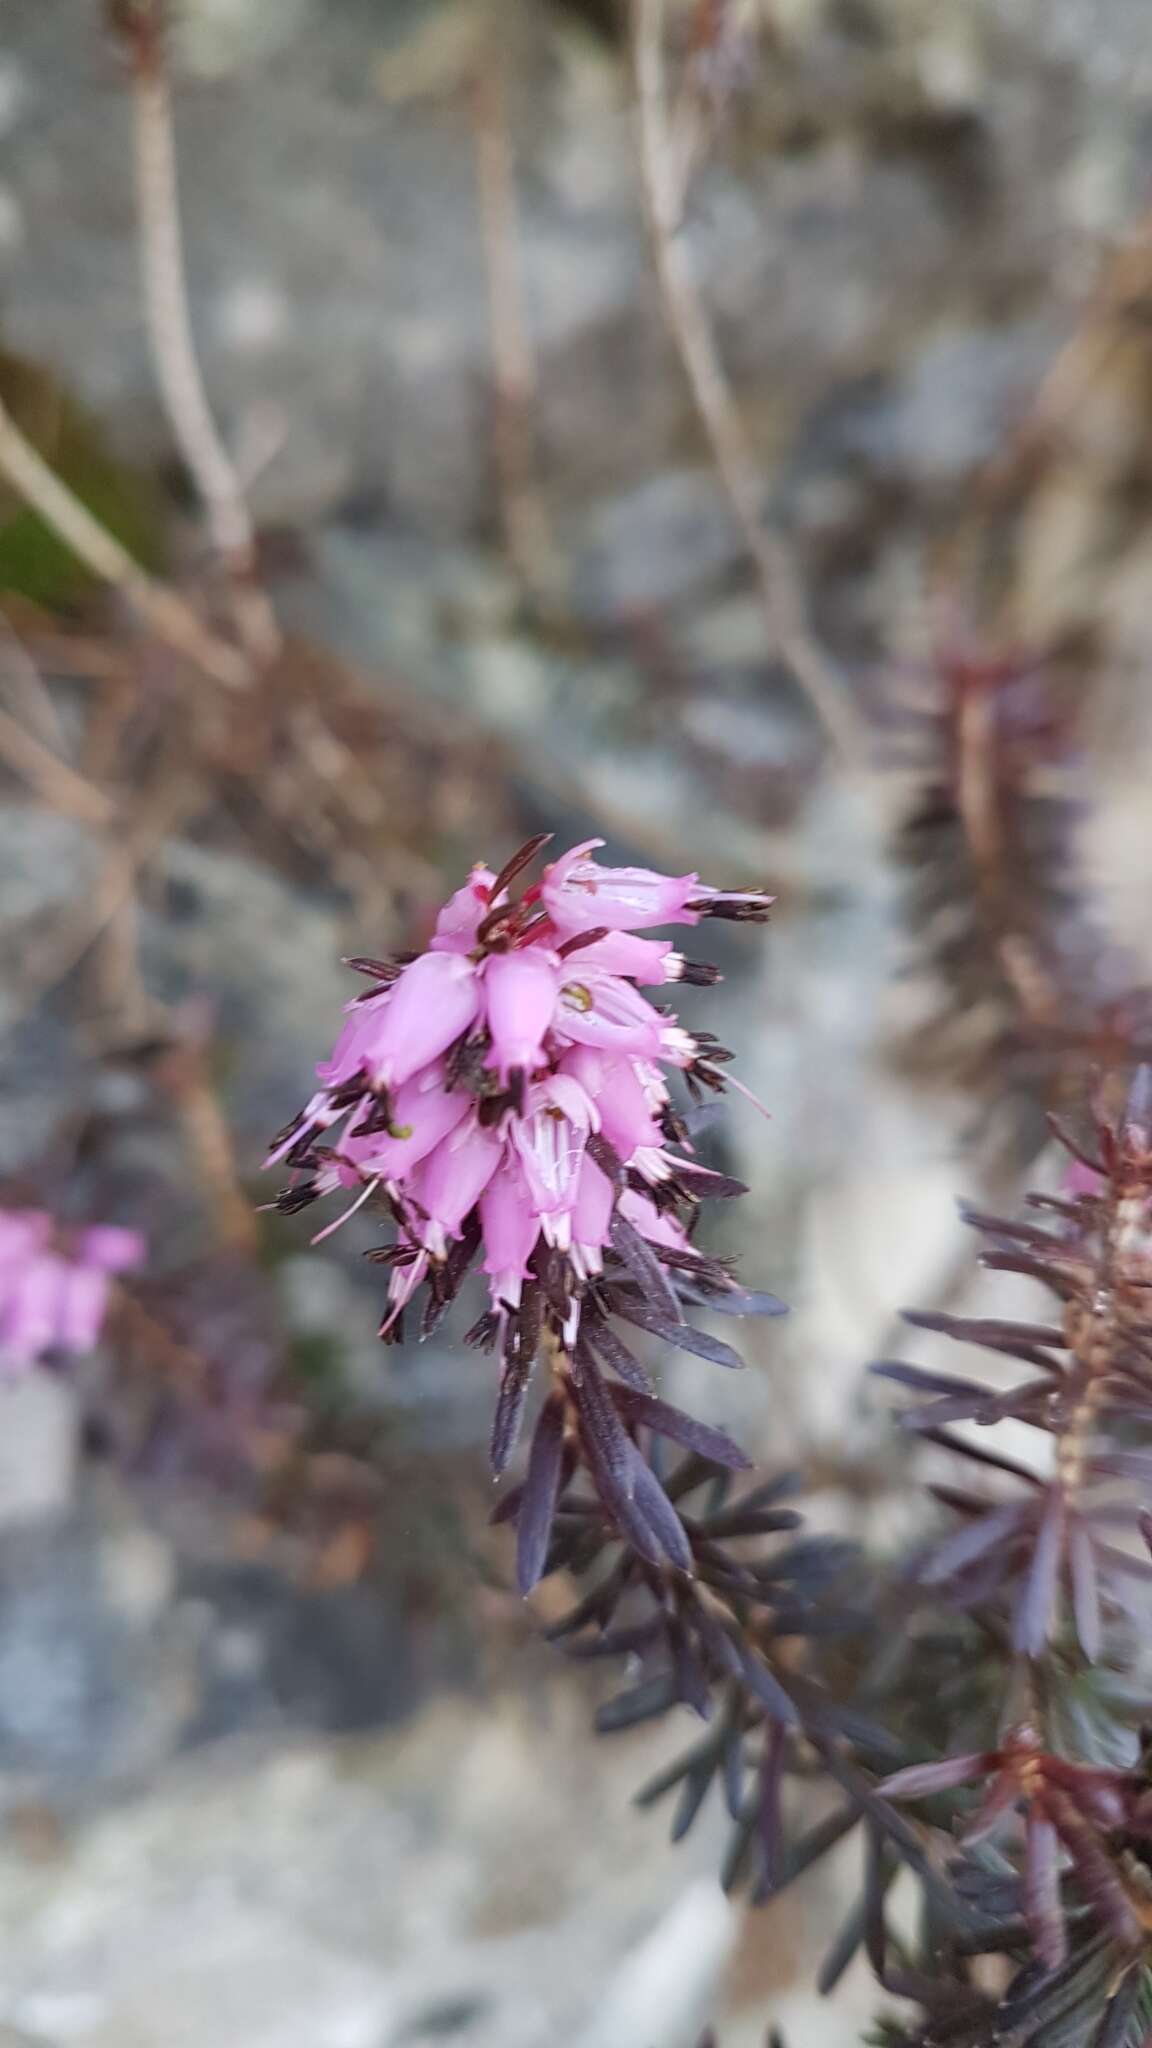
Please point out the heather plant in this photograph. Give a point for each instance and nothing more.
(516, 1104)
(1050, 1807)
(505, 1098)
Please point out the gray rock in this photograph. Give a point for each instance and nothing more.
(217, 38)
(96, 1676)
(336, 267)
(662, 543)
(960, 394)
(38, 1447)
(391, 1895)
(266, 958)
(45, 861)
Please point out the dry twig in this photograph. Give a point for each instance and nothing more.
(154, 604)
(49, 776)
(184, 1073)
(170, 335)
(781, 596)
(65, 945)
(32, 696)
(513, 368)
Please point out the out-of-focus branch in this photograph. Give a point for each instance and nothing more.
(182, 1072)
(170, 335)
(63, 946)
(984, 794)
(51, 777)
(27, 687)
(155, 605)
(782, 598)
(525, 521)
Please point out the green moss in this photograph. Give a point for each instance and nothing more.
(317, 1365)
(34, 563)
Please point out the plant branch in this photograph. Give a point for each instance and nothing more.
(28, 687)
(782, 599)
(173, 349)
(114, 886)
(513, 367)
(985, 791)
(51, 777)
(157, 607)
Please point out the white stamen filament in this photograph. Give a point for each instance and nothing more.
(361, 1198)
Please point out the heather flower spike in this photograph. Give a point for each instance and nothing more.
(55, 1283)
(505, 1098)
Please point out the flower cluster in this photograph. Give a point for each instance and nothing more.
(506, 1093)
(54, 1284)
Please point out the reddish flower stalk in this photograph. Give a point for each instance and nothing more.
(1053, 1568)
(1090, 1386)
(1033, 990)
(1078, 1807)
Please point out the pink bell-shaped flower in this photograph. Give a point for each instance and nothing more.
(464, 913)
(580, 895)
(55, 1283)
(653, 1223)
(616, 1088)
(505, 1094)
(422, 1113)
(651, 961)
(29, 1310)
(23, 1232)
(511, 1227)
(434, 1001)
(357, 1043)
(591, 1219)
(110, 1247)
(521, 991)
(550, 1138)
(451, 1180)
(602, 1010)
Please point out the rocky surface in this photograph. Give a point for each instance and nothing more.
(480, 1878)
(889, 244)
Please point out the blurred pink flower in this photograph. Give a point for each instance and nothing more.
(55, 1283)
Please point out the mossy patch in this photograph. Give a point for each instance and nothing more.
(34, 563)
